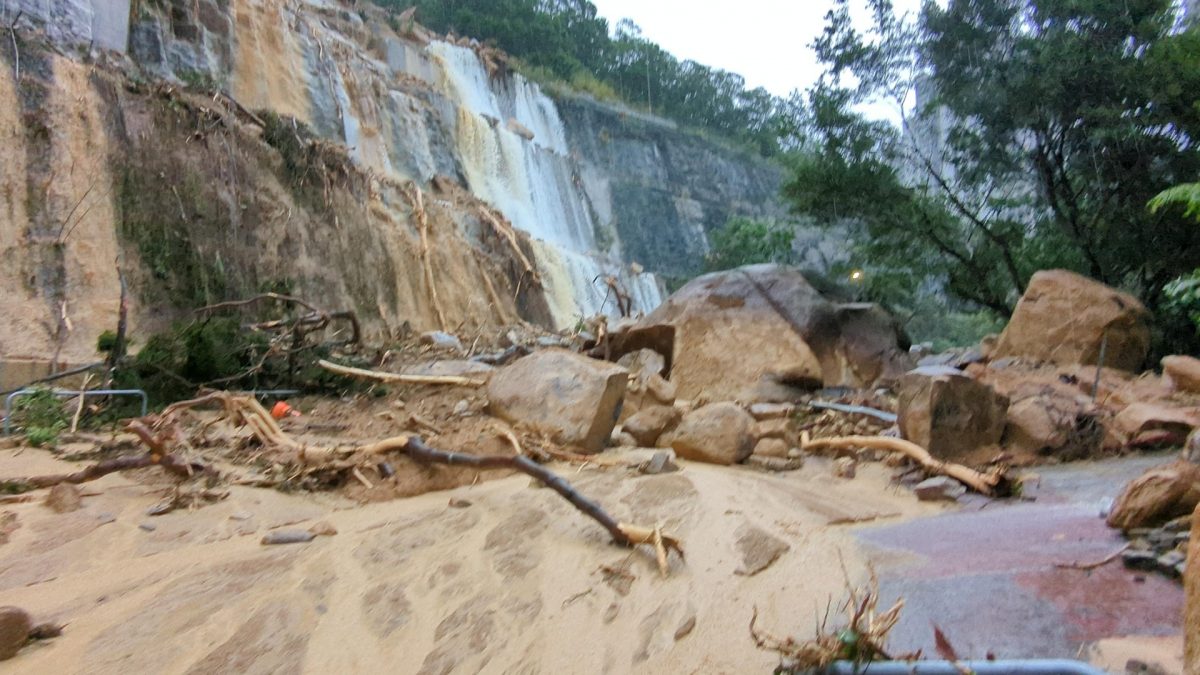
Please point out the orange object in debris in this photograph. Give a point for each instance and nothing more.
(282, 410)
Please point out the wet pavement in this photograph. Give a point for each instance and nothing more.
(986, 574)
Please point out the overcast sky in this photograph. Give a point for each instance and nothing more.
(765, 41)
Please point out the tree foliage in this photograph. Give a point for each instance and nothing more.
(568, 39)
(1042, 129)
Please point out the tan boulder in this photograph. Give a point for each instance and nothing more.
(1155, 423)
(1053, 423)
(1191, 607)
(1064, 318)
(572, 397)
(1183, 371)
(1160, 494)
(754, 333)
(719, 433)
(650, 423)
(949, 413)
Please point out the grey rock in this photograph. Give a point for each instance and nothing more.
(287, 537)
(147, 527)
(660, 462)
(1140, 560)
(939, 488)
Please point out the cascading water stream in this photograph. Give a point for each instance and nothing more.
(531, 182)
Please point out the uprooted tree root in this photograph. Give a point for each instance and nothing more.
(862, 639)
(991, 483)
(157, 432)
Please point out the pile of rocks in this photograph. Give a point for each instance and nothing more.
(1161, 549)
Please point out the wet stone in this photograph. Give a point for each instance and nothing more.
(1140, 559)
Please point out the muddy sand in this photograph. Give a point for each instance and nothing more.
(510, 578)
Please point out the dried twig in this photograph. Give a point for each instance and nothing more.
(1077, 565)
(79, 407)
(12, 32)
(418, 202)
(350, 371)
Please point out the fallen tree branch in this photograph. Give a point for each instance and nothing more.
(1093, 565)
(351, 371)
(983, 483)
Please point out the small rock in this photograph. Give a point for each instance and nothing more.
(771, 447)
(759, 549)
(457, 503)
(287, 537)
(440, 340)
(1168, 561)
(1139, 560)
(164, 507)
(660, 462)
(648, 424)
(147, 527)
(623, 440)
(845, 467)
(323, 528)
(643, 361)
(64, 498)
(939, 488)
(105, 518)
(1191, 448)
(462, 408)
(795, 453)
(15, 626)
(686, 627)
(241, 515)
(719, 433)
(771, 411)
(611, 612)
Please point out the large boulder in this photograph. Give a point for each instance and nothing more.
(1053, 423)
(1160, 494)
(753, 333)
(650, 423)
(720, 433)
(572, 397)
(948, 413)
(1183, 371)
(1064, 317)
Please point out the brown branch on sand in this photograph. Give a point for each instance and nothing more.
(380, 376)
(156, 456)
(983, 483)
(246, 410)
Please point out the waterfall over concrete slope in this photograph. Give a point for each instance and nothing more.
(513, 149)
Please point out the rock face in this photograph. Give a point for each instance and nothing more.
(948, 413)
(1184, 372)
(649, 423)
(1191, 608)
(1064, 317)
(15, 625)
(1157, 496)
(748, 333)
(575, 398)
(719, 433)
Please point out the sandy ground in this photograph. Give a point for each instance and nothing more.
(511, 583)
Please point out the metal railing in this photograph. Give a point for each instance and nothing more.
(68, 393)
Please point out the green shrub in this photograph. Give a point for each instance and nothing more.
(41, 415)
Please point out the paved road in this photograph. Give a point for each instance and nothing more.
(986, 575)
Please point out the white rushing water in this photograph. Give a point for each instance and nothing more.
(531, 182)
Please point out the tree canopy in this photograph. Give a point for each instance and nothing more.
(570, 40)
(1042, 129)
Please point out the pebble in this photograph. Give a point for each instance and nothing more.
(288, 537)
(106, 518)
(459, 503)
(148, 527)
(660, 462)
(15, 625)
(64, 498)
(462, 408)
(845, 467)
(441, 340)
(686, 627)
(241, 515)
